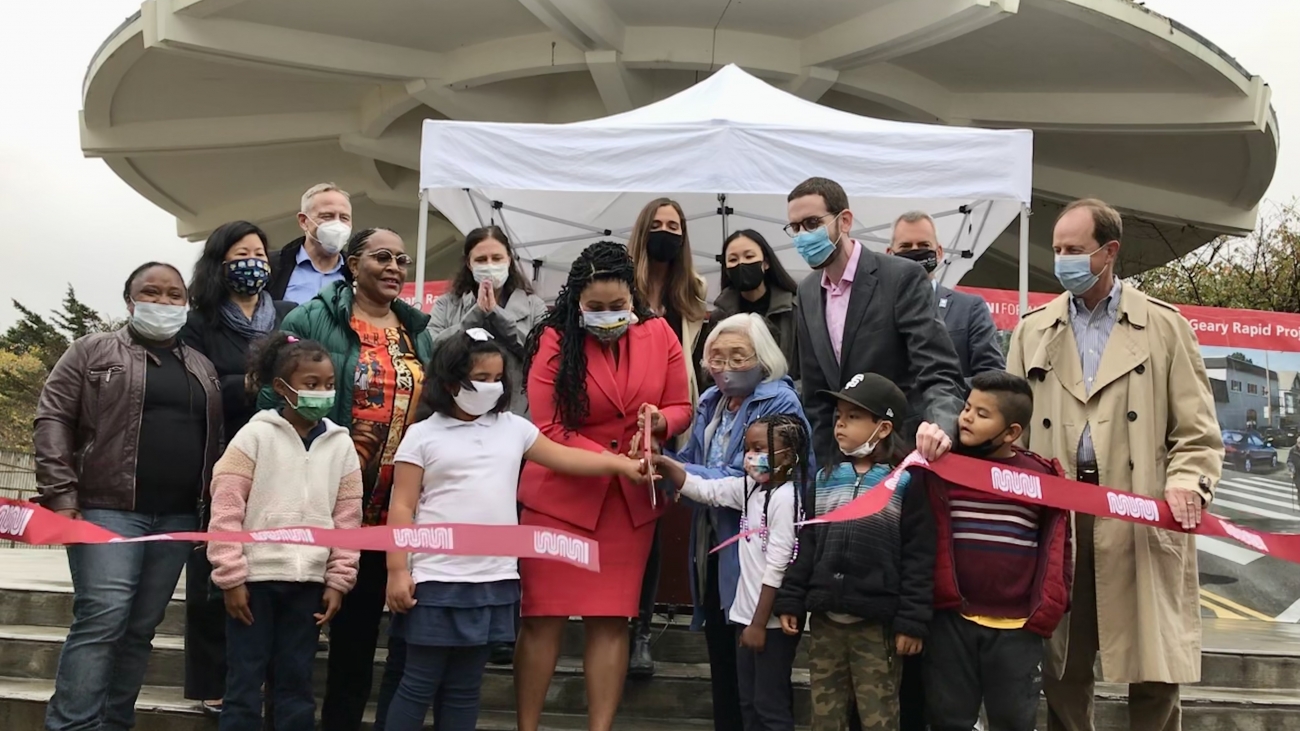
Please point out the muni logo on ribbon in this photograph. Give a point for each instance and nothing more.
(1133, 506)
(1250, 538)
(438, 538)
(14, 519)
(547, 543)
(284, 535)
(1017, 483)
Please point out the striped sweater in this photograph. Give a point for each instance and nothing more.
(267, 479)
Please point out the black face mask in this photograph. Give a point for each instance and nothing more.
(663, 246)
(983, 450)
(746, 277)
(927, 258)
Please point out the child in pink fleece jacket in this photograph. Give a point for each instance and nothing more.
(286, 468)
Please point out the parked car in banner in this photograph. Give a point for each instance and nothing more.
(1247, 451)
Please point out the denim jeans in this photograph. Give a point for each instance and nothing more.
(283, 635)
(449, 678)
(120, 594)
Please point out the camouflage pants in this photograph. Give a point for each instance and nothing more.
(847, 662)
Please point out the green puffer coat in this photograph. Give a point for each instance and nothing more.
(327, 319)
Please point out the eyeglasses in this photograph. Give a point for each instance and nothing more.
(735, 362)
(386, 257)
(811, 223)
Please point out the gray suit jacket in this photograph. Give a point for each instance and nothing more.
(972, 331)
(892, 329)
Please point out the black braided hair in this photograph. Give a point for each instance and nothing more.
(602, 261)
(790, 429)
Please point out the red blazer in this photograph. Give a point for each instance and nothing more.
(649, 371)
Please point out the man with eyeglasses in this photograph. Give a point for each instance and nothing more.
(313, 261)
(863, 312)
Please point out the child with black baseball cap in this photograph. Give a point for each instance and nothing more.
(868, 583)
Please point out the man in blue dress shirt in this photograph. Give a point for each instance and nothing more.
(313, 261)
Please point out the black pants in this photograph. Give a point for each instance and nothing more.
(354, 634)
(205, 631)
(650, 584)
(911, 696)
(766, 694)
(283, 636)
(721, 638)
(967, 664)
(394, 668)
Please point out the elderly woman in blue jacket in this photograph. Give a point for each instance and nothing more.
(750, 381)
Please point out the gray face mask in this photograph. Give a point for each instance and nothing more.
(738, 383)
(607, 326)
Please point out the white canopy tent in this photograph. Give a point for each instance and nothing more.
(728, 149)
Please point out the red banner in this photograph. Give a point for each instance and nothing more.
(32, 524)
(431, 292)
(1246, 329)
(1036, 488)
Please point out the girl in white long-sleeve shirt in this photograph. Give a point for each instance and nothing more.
(768, 497)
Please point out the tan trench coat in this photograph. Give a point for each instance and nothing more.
(1153, 425)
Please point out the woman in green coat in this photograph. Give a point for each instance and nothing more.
(380, 346)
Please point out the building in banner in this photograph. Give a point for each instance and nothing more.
(1245, 394)
(1287, 401)
(226, 109)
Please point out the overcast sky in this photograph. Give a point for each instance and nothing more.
(72, 220)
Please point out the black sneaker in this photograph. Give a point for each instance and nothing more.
(501, 653)
(640, 663)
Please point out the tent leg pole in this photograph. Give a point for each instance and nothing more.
(1024, 258)
(421, 253)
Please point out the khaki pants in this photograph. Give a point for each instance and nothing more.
(852, 662)
(1151, 706)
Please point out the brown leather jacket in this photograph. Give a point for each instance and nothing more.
(88, 422)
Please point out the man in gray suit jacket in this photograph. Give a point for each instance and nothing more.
(863, 312)
(965, 315)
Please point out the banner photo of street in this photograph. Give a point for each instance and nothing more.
(1253, 361)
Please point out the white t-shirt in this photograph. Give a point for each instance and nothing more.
(471, 475)
(758, 568)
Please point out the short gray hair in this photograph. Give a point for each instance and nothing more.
(754, 327)
(316, 190)
(914, 217)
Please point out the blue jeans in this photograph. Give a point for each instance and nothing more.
(450, 677)
(120, 594)
(283, 636)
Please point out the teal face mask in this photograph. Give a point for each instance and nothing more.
(312, 405)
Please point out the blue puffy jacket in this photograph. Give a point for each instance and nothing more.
(770, 398)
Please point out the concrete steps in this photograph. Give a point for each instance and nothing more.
(1251, 673)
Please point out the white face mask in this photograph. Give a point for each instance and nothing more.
(866, 448)
(158, 322)
(332, 235)
(495, 273)
(481, 400)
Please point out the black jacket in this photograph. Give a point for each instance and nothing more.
(879, 568)
(282, 264)
(228, 352)
(781, 314)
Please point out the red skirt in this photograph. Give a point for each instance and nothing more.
(555, 589)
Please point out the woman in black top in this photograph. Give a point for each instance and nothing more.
(753, 280)
(229, 310)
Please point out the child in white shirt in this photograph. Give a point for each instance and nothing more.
(776, 450)
(461, 465)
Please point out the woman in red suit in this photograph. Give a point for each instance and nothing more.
(596, 360)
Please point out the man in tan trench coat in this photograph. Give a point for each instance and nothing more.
(1122, 399)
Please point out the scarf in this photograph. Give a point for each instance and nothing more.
(263, 320)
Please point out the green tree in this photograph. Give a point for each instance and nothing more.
(21, 378)
(48, 337)
(1258, 272)
(1241, 357)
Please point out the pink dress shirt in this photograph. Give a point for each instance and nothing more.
(837, 299)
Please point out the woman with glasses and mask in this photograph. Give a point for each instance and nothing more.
(754, 281)
(599, 362)
(380, 346)
(666, 280)
(126, 434)
(748, 371)
(229, 309)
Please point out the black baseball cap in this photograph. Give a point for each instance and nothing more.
(876, 394)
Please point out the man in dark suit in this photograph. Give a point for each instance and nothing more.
(965, 315)
(311, 262)
(861, 312)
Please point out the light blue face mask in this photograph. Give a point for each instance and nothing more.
(815, 246)
(1074, 272)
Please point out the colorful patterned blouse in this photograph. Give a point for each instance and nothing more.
(385, 395)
